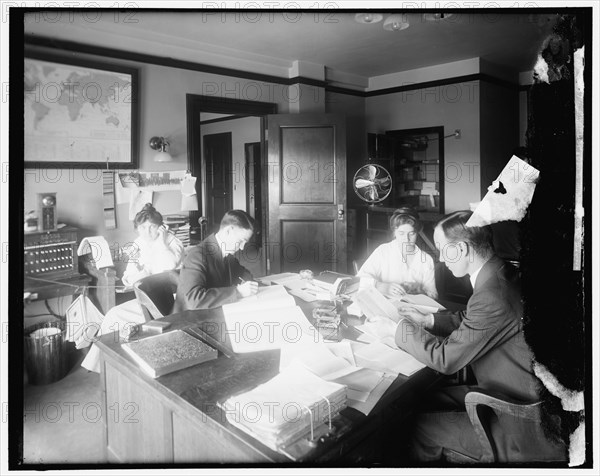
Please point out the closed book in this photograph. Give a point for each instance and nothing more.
(165, 353)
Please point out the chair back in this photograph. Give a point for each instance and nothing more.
(511, 431)
(155, 294)
(357, 264)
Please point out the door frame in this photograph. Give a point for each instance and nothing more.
(197, 103)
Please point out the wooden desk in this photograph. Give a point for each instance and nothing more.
(48, 288)
(175, 418)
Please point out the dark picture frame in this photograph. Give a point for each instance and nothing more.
(102, 97)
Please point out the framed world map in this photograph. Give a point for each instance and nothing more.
(79, 113)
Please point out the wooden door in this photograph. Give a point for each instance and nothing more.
(305, 176)
(217, 159)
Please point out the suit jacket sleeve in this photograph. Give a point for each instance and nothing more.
(446, 322)
(239, 271)
(195, 286)
(484, 326)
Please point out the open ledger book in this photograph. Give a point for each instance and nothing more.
(268, 320)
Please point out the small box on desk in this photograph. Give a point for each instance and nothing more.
(156, 326)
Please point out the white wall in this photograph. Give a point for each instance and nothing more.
(454, 106)
(162, 111)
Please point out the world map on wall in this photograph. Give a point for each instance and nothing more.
(76, 114)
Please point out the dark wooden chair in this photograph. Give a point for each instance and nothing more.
(510, 431)
(155, 294)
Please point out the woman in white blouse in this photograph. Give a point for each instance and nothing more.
(155, 250)
(400, 266)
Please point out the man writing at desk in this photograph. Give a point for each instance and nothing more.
(211, 276)
(488, 336)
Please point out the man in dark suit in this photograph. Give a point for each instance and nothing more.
(210, 275)
(488, 336)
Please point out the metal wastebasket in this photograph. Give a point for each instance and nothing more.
(45, 352)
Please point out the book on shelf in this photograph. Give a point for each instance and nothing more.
(290, 406)
(164, 353)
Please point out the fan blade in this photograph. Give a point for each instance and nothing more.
(361, 183)
(369, 194)
(382, 182)
(372, 172)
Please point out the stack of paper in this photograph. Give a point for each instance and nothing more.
(288, 407)
(378, 356)
(269, 320)
(334, 362)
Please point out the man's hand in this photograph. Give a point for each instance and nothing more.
(247, 288)
(390, 289)
(424, 319)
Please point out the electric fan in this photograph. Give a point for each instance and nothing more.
(372, 183)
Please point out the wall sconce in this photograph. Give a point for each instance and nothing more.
(160, 144)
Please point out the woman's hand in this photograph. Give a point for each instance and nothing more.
(162, 234)
(413, 288)
(390, 289)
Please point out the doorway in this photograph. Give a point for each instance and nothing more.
(223, 111)
(218, 178)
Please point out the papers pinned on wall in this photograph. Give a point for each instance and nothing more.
(189, 199)
(155, 181)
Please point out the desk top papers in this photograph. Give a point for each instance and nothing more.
(269, 320)
(379, 356)
(286, 408)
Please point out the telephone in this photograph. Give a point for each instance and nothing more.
(336, 284)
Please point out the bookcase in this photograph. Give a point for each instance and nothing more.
(415, 160)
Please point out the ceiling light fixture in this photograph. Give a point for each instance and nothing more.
(368, 17)
(396, 23)
(436, 16)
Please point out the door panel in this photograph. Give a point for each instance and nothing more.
(307, 192)
(320, 237)
(302, 180)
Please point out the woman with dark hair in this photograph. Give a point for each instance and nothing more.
(400, 266)
(154, 250)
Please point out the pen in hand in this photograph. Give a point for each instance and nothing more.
(247, 288)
